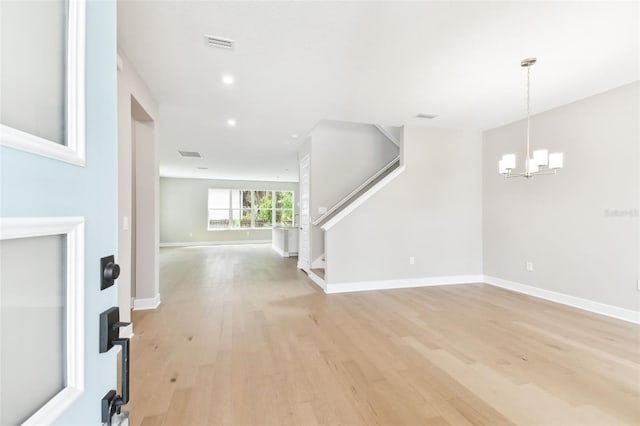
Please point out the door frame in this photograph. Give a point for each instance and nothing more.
(305, 219)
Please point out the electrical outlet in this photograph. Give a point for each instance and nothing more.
(412, 260)
(529, 266)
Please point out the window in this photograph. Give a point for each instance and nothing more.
(284, 208)
(264, 209)
(241, 208)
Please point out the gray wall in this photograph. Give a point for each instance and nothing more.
(343, 156)
(135, 105)
(183, 210)
(431, 211)
(146, 217)
(562, 223)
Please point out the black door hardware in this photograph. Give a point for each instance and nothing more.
(109, 272)
(109, 337)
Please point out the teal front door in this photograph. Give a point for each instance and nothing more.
(58, 211)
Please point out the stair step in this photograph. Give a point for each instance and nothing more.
(319, 272)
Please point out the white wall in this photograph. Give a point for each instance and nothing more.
(343, 156)
(131, 85)
(564, 223)
(432, 211)
(184, 210)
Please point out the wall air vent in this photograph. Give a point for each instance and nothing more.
(224, 43)
(202, 168)
(193, 154)
(427, 116)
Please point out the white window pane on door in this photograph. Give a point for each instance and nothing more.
(32, 324)
(32, 45)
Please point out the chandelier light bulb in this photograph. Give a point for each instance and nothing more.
(541, 157)
(556, 160)
(509, 161)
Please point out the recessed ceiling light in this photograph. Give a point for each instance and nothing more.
(294, 136)
(427, 116)
(227, 79)
(231, 122)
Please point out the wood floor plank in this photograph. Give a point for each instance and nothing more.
(242, 337)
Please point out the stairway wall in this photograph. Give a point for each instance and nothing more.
(432, 211)
(343, 156)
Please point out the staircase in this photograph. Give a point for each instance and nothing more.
(320, 266)
(345, 206)
(357, 193)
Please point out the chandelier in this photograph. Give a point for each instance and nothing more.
(541, 162)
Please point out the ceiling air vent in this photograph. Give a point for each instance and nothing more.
(224, 43)
(190, 154)
(427, 116)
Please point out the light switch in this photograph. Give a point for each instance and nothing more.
(125, 223)
(322, 210)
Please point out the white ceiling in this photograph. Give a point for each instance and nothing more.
(296, 63)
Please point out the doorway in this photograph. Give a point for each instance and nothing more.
(138, 195)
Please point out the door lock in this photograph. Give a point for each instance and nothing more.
(109, 272)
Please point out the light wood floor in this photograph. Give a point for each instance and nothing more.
(243, 338)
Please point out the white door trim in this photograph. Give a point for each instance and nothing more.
(304, 236)
(73, 228)
(73, 151)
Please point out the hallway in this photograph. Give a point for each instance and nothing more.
(242, 337)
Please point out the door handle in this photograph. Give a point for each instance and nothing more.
(109, 337)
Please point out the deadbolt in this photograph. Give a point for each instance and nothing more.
(109, 272)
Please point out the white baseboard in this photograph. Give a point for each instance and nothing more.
(565, 299)
(405, 283)
(143, 304)
(284, 253)
(214, 243)
(319, 281)
(576, 302)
